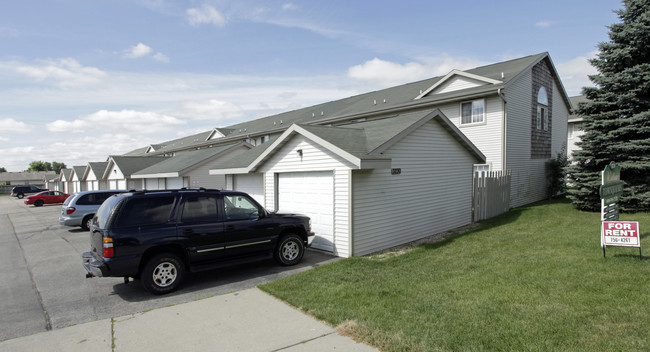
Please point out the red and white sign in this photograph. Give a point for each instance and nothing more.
(620, 233)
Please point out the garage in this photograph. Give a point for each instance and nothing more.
(251, 184)
(174, 182)
(312, 194)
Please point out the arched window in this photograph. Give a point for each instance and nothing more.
(542, 109)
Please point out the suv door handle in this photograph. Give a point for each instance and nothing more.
(230, 228)
(188, 231)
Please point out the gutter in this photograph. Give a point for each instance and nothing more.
(504, 133)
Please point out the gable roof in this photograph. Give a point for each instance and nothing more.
(361, 144)
(97, 168)
(130, 164)
(79, 171)
(66, 175)
(184, 161)
(381, 103)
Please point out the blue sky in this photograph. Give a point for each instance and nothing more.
(82, 79)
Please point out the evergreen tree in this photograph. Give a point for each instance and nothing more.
(617, 115)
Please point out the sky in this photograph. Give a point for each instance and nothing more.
(81, 80)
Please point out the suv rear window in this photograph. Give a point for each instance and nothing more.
(145, 211)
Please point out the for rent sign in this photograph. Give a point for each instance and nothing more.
(621, 233)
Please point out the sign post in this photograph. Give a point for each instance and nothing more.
(612, 231)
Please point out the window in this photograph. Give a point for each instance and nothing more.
(542, 110)
(264, 139)
(145, 211)
(472, 112)
(200, 208)
(240, 208)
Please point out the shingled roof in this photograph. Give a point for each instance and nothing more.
(385, 102)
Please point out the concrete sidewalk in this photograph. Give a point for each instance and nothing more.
(248, 320)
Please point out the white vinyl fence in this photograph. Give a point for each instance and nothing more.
(491, 194)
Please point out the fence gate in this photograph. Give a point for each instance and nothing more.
(491, 195)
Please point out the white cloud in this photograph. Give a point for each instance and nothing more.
(288, 6)
(543, 24)
(138, 51)
(137, 122)
(385, 73)
(205, 15)
(160, 57)
(3, 139)
(13, 126)
(66, 72)
(574, 73)
(214, 110)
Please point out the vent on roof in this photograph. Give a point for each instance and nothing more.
(313, 114)
(322, 113)
(502, 75)
(374, 102)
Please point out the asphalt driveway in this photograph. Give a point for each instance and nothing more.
(44, 286)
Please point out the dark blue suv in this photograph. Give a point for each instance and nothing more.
(157, 236)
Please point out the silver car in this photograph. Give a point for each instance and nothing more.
(80, 207)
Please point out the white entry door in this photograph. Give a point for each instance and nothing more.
(312, 194)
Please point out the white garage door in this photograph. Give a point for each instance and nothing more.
(312, 194)
(174, 182)
(251, 184)
(151, 183)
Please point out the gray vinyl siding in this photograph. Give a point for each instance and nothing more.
(487, 136)
(560, 123)
(432, 194)
(528, 175)
(315, 158)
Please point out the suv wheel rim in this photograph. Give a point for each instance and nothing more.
(290, 250)
(164, 274)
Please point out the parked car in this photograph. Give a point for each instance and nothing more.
(20, 191)
(157, 236)
(47, 197)
(80, 207)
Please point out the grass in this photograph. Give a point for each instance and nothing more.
(534, 279)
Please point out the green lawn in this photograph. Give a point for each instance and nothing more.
(534, 279)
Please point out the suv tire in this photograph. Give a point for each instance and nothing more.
(162, 274)
(20, 196)
(290, 250)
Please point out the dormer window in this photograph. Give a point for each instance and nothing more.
(472, 112)
(542, 110)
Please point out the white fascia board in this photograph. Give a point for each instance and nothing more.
(237, 171)
(295, 129)
(457, 73)
(163, 175)
(108, 169)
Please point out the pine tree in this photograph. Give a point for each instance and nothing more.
(617, 116)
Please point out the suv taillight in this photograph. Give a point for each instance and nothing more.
(70, 210)
(108, 247)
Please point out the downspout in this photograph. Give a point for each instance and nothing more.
(504, 133)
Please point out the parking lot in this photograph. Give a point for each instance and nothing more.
(44, 285)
